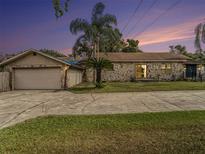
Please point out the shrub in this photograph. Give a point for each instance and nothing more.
(132, 79)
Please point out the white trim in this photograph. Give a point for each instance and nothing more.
(30, 51)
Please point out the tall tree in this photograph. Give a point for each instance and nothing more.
(178, 49)
(99, 30)
(200, 37)
(95, 35)
(131, 45)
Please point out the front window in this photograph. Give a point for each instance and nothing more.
(141, 71)
(163, 67)
(166, 68)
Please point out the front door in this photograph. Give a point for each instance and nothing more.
(141, 71)
(191, 71)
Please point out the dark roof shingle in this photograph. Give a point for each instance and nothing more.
(135, 57)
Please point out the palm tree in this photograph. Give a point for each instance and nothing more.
(96, 33)
(100, 28)
(99, 64)
(200, 37)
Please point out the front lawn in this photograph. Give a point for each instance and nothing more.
(168, 133)
(139, 86)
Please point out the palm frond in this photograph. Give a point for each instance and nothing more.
(197, 37)
(91, 63)
(97, 11)
(79, 25)
(66, 5)
(100, 63)
(107, 19)
(59, 9)
(106, 64)
(111, 35)
(203, 34)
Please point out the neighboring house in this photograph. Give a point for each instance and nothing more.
(148, 66)
(35, 70)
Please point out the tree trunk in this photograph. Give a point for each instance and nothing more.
(98, 48)
(98, 79)
(94, 56)
(95, 50)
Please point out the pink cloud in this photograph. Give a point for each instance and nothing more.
(66, 51)
(178, 32)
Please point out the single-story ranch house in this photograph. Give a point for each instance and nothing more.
(149, 66)
(35, 70)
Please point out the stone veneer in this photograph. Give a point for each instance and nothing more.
(126, 71)
(155, 71)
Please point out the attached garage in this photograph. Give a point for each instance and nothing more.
(35, 70)
(37, 78)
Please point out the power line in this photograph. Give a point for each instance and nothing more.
(156, 19)
(145, 13)
(135, 11)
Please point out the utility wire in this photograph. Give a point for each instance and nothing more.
(140, 19)
(130, 18)
(156, 19)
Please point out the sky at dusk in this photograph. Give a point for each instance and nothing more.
(28, 24)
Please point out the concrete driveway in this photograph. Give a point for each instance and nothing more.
(17, 106)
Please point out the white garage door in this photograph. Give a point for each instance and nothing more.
(37, 78)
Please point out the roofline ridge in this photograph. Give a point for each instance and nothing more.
(133, 52)
(25, 52)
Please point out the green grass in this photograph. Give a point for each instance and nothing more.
(139, 87)
(168, 133)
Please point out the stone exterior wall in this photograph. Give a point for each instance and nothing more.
(120, 72)
(126, 71)
(155, 71)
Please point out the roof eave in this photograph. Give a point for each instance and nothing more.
(28, 52)
(148, 61)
